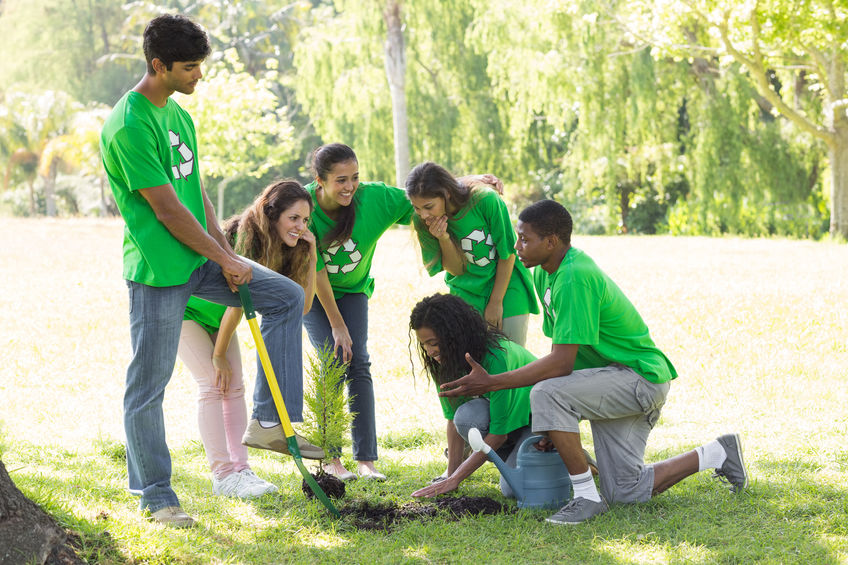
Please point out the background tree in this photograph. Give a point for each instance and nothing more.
(640, 116)
(792, 53)
(33, 126)
(396, 75)
(242, 131)
(67, 45)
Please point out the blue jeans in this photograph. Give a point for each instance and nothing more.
(156, 315)
(475, 414)
(360, 388)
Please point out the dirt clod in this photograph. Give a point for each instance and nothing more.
(332, 486)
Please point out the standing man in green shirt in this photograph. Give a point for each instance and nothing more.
(174, 248)
(603, 367)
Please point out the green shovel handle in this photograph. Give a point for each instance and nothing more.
(246, 302)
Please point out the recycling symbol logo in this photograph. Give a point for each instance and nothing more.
(547, 301)
(186, 165)
(479, 248)
(343, 257)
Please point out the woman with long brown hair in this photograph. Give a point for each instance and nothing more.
(273, 231)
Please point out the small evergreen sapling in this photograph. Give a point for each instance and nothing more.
(327, 418)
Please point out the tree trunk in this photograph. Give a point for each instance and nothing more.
(222, 190)
(396, 74)
(107, 204)
(27, 533)
(838, 157)
(33, 208)
(50, 189)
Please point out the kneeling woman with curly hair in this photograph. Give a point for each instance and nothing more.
(447, 328)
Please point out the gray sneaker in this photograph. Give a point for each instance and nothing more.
(275, 440)
(733, 471)
(578, 510)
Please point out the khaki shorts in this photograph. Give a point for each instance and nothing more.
(622, 408)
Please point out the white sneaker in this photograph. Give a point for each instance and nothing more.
(233, 485)
(259, 486)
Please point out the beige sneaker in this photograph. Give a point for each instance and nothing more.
(274, 439)
(173, 516)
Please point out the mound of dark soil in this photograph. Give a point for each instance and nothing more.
(370, 516)
(332, 486)
(473, 505)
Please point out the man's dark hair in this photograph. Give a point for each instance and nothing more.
(171, 38)
(548, 217)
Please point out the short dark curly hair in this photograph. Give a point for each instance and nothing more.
(459, 328)
(174, 37)
(548, 217)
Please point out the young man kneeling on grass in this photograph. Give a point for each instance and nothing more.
(603, 367)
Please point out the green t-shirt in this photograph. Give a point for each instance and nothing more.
(583, 306)
(378, 207)
(485, 234)
(207, 314)
(509, 409)
(143, 146)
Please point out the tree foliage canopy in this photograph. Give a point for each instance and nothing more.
(681, 116)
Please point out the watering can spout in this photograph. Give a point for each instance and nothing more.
(475, 440)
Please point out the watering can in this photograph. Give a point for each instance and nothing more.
(539, 479)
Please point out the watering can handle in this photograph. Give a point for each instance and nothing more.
(527, 444)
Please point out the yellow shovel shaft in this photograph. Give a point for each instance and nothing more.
(271, 377)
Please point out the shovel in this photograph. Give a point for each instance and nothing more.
(294, 450)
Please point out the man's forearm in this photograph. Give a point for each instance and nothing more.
(188, 230)
(212, 226)
(547, 367)
(182, 224)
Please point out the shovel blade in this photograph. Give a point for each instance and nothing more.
(250, 315)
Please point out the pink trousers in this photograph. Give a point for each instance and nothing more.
(221, 418)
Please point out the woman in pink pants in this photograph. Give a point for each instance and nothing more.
(273, 232)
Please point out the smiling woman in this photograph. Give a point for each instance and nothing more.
(272, 231)
(350, 217)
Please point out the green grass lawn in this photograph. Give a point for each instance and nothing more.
(758, 330)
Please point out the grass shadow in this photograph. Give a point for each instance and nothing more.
(698, 520)
(795, 511)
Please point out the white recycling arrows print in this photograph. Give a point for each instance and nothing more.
(332, 257)
(476, 237)
(186, 165)
(547, 302)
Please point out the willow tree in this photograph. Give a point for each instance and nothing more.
(793, 52)
(342, 85)
(341, 82)
(570, 65)
(456, 119)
